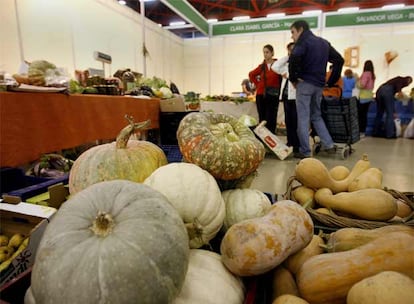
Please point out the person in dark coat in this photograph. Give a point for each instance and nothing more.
(307, 71)
(385, 97)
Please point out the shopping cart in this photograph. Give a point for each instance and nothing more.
(341, 119)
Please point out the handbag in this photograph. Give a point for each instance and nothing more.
(272, 91)
(269, 91)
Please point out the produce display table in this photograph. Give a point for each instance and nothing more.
(229, 107)
(32, 124)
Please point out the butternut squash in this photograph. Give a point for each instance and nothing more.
(295, 261)
(388, 287)
(339, 172)
(369, 204)
(283, 282)
(327, 278)
(312, 173)
(403, 210)
(324, 211)
(304, 196)
(371, 178)
(255, 246)
(350, 238)
(289, 299)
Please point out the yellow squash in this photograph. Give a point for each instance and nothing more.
(369, 204)
(312, 173)
(350, 238)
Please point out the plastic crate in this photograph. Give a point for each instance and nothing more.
(15, 183)
(173, 153)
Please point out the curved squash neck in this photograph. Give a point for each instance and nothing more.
(125, 134)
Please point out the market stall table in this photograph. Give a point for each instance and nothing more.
(32, 124)
(229, 107)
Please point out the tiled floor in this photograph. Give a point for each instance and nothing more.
(395, 157)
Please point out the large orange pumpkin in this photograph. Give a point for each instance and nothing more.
(126, 159)
(219, 144)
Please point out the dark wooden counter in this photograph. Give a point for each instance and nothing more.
(32, 124)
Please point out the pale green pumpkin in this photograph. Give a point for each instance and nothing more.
(220, 144)
(127, 159)
(243, 204)
(195, 195)
(208, 281)
(114, 242)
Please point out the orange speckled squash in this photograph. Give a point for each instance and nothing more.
(255, 246)
(126, 159)
(327, 278)
(219, 144)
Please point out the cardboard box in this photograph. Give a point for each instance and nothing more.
(272, 141)
(55, 196)
(175, 104)
(29, 220)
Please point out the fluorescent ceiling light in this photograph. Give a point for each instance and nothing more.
(312, 12)
(393, 6)
(122, 2)
(348, 9)
(276, 15)
(211, 20)
(177, 23)
(241, 18)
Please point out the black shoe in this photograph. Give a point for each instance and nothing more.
(299, 155)
(331, 150)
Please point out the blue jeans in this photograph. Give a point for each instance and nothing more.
(308, 107)
(385, 103)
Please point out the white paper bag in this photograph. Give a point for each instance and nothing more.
(272, 141)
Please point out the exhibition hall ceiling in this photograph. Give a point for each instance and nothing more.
(225, 10)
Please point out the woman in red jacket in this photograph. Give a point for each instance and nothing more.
(267, 89)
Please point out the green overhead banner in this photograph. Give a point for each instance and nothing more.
(188, 12)
(375, 17)
(252, 26)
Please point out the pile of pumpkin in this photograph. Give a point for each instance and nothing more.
(126, 236)
(357, 194)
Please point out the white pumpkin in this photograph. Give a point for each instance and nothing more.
(196, 196)
(209, 282)
(242, 204)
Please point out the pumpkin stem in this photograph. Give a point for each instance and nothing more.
(125, 134)
(365, 156)
(194, 230)
(103, 224)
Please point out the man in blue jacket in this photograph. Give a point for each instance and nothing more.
(307, 71)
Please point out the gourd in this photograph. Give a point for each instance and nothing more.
(327, 278)
(339, 172)
(304, 196)
(370, 204)
(371, 178)
(350, 238)
(385, 287)
(114, 242)
(255, 246)
(289, 299)
(295, 261)
(209, 282)
(242, 204)
(403, 210)
(283, 282)
(194, 193)
(324, 211)
(220, 144)
(312, 173)
(124, 159)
